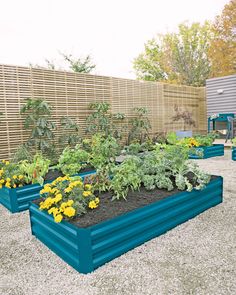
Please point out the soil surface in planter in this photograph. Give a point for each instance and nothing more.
(54, 173)
(108, 209)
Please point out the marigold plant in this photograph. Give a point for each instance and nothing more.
(67, 197)
(10, 175)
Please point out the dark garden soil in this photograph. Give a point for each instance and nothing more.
(108, 209)
(54, 173)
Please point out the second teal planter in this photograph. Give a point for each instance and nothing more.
(234, 153)
(215, 150)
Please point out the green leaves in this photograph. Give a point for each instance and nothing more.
(72, 160)
(140, 126)
(70, 132)
(102, 121)
(79, 65)
(180, 58)
(37, 115)
(125, 176)
(35, 170)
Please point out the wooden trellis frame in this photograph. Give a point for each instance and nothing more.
(70, 93)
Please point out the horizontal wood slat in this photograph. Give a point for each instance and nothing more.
(70, 93)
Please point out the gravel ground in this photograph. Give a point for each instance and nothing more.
(197, 257)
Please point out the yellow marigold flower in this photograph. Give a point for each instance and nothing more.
(51, 210)
(87, 193)
(58, 198)
(56, 211)
(69, 211)
(88, 186)
(14, 185)
(2, 181)
(7, 162)
(68, 190)
(14, 176)
(92, 205)
(70, 202)
(97, 201)
(63, 205)
(47, 189)
(20, 177)
(42, 191)
(58, 218)
(8, 179)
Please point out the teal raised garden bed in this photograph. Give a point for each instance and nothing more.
(85, 249)
(17, 199)
(234, 153)
(209, 151)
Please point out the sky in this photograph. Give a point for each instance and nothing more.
(113, 32)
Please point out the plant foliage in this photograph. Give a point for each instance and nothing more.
(37, 115)
(140, 126)
(72, 160)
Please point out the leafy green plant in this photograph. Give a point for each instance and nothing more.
(135, 148)
(37, 114)
(70, 132)
(168, 166)
(125, 177)
(22, 153)
(140, 126)
(34, 171)
(159, 137)
(102, 121)
(206, 140)
(72, 160)
(103, 155)
(171, 138)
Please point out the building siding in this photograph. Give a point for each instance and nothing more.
(221, 103)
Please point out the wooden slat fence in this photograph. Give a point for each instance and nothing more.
(70, 93)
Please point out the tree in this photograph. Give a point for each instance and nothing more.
(222, 51)
(179, 58)
(79, 65)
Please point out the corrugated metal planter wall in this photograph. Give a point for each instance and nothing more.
(215, 150)
(234, 153)
(86, 249)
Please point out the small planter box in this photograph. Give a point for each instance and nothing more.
(17, 199)
(182, 134)
(86, 249)
(234, 153)
(209, 151)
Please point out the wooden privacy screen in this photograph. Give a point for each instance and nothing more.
(70, 93)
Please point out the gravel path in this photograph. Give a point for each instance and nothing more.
(197, 257)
